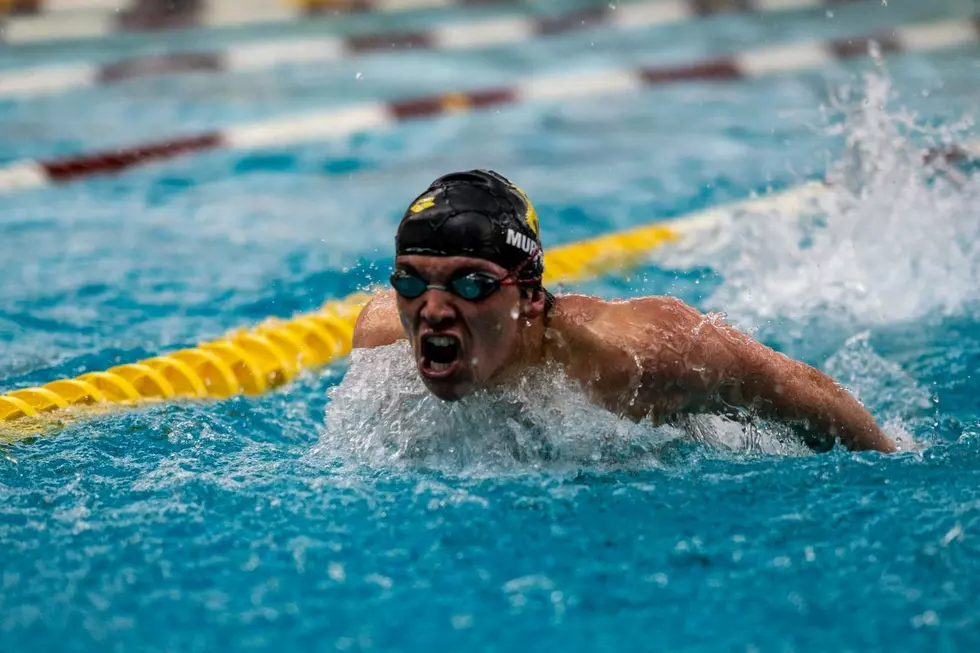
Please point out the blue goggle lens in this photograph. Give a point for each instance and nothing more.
(471, 287)
(407, 285)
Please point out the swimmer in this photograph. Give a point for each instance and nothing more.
(467, 293)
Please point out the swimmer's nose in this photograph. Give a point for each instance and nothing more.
(438, 308)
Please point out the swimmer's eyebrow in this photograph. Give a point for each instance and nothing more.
(467, 269)
(405, 267)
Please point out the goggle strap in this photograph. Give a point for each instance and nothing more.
(513, 274)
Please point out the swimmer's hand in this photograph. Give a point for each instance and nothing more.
(697, 363)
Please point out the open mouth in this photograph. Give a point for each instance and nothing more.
(440, 355)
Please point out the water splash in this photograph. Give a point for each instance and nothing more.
(897, 399)
(381, 415)
(895, 240)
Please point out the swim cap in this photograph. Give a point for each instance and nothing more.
(478, 214)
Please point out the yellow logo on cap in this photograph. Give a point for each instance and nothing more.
(531, 217)
(422, 204)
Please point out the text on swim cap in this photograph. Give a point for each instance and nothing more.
(521, 241)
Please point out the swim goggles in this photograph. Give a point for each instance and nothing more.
(473, 286)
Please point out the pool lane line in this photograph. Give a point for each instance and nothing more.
(350, 120)
(74, 22)
(449, 37)
(269, 355)
(104, 19)
(34, 7)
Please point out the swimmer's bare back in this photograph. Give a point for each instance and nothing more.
(654, 357)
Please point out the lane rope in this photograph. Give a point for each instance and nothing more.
(368, 116)
(37, 21)
(448, 37)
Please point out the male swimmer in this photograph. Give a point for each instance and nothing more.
(468, 295)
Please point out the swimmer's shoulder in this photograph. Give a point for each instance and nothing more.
(601, 342)
(378, 324)
(585, 327)
(575, 312)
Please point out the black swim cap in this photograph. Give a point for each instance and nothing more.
(479, 214)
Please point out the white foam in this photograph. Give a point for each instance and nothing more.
(381, 415)
(892, 240)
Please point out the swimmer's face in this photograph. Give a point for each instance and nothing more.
(462, 345)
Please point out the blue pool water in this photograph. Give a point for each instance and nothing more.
(259, 524)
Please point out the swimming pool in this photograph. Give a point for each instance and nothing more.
(255, 524)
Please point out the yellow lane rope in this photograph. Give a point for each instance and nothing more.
(272, 353)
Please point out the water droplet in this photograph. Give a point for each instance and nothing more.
(927, 618)
(462, 621)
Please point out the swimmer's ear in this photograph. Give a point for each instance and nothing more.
(532, 302)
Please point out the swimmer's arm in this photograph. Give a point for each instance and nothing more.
(725, 367)
(790, 391)
(378, 324)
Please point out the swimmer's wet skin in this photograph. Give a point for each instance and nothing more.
(467, 294)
